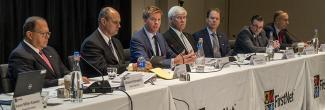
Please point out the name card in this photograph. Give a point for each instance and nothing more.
(289, 54)
(309, 50)
(322, 48)
(29, 102)
(132, 81)
(222, 62)
(179, 69)
(258, 59)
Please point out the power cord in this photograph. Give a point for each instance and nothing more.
(188, 106)
(130, 99)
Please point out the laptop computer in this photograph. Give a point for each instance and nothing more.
(29, 82)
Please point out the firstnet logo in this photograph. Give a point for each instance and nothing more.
(319, 85)
(273, 101)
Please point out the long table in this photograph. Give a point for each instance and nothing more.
(291, 84)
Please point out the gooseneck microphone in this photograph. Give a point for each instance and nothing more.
(102, 86)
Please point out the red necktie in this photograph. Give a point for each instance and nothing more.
(281, 36)
(45, 59)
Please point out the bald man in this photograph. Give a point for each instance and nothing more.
(101, 49)
(279, 29)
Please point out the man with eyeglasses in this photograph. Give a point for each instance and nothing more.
(34, 54)
(252, 39)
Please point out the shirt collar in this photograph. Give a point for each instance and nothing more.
(277, 30)
(210, 32)
(106, 38)
(150, 35)
(31, 46)
(179, 33)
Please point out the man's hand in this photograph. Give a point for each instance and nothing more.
(276, 44)
(185, 59)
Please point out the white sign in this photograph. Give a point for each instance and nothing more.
(222, 62)
(28, 102)
(309, 50)
(322, 48)
(179, 69)
(132, 81)
(258, 59)
(289, 54)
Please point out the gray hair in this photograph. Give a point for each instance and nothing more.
(104, 13)
(30, 24)
(176, 10)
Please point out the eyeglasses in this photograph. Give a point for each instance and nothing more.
(44, 34)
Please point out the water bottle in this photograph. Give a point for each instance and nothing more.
(269, 48)
(76, 91)
(316, 41)
(200, 60)
(141, 64)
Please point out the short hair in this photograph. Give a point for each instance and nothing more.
(256, 17)
(176, 10)
(277, 14)
(104, 13)
(150, 10)
(214, 9)
(30, 24)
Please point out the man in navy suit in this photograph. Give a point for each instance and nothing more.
(149, 43)
(215, 43)
(279, 30)
(34, 54)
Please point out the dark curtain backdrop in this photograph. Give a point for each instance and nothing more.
(70, 22)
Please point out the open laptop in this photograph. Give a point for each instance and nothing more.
(29, 82)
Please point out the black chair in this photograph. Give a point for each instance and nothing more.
(6, 85)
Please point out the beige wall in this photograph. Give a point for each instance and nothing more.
(304, 15)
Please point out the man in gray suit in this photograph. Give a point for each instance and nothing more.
(150, 44)
(252, 38)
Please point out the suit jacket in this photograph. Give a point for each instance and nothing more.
(97, 52)
(207, 46)
(287, 40)
(245, 42)
(175, 43)
(24, 58)
(140, 46)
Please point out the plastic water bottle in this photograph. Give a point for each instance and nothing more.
(76, 80)
(141, 64)
(200, 60)
(316, 41)
(269, 48)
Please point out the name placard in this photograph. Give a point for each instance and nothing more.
(222, 62)
(289, 54)
(258, 59)
(29, 102)
(309, 50)
(179, 69)
(322, 48)
(132, 81)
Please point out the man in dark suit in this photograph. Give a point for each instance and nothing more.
(279, 30)
(252, 38)
(178, 40)
(101, 49)
(215, 43)
(34, 54)
(148, 43)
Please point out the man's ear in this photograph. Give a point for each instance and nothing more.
(29, 35)
(103, 21)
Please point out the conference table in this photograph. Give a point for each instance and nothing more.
(288, 84)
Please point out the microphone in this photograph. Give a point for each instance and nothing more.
(102, 86)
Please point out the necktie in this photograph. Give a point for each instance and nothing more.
(156, 45)
(216, 46)
(257, 44)
(281, 36)
(45, 59)
(110, 44)
(186, 43)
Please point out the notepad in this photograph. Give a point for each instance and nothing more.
(162, 73)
